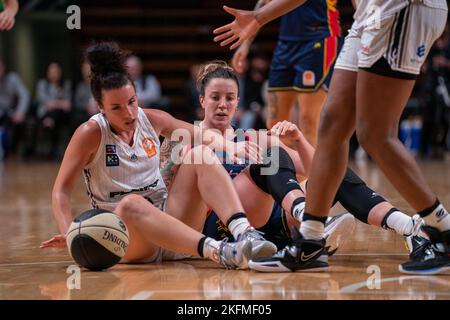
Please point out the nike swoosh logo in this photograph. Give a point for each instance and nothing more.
(306, 257)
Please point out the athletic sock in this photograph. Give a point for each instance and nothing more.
(298, 207)
(208, 248)
(238, 224)
(399, 222)
(312, 227)
(436, 216)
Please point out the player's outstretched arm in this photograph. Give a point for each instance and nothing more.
(247, 23)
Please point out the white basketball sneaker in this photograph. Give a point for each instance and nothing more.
(338, 228)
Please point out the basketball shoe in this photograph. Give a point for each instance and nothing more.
(234, 255)
(428, 256)
(260, 246)
(336, 229)
(304, 255)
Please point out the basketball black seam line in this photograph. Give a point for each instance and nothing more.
(97, 226)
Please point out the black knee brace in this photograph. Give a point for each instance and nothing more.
(280, 183)
(356, 196)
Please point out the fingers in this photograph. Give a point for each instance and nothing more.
(223, 36)
(223, 29)
(11, 24)
(229, 40)
(230, 10)
(236, 44)
(285, 129)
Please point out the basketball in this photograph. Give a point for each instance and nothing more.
(97, 239)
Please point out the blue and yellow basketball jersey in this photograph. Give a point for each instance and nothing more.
(315, 19)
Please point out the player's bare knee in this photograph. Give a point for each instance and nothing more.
(128, 207)
(368, 138)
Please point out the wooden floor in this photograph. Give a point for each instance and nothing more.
(27, 272)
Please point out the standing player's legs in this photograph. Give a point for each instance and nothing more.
(393, 76)
(279, 106)
(311, 105)
(380, 102)
(331, 156)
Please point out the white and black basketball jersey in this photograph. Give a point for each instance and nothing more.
(367, 10)
(119, 169)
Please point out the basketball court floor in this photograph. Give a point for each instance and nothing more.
(365, 267)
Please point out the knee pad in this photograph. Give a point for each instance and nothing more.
(280, 183)
(357, 197)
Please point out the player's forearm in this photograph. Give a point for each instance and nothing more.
(275, 9)
(305, 151)
(62, 211)
(258, 5)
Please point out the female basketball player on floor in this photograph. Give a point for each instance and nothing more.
(218, 87)
(373, 79)
(118, 152)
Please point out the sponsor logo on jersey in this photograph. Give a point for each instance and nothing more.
(309, 78)
(149, 147)
(110, 148)
(421, 51)
(112, 160)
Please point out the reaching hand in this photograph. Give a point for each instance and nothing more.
(286, 129)
(246, 150)
(242, 28)
(7, 20)
(58, 241)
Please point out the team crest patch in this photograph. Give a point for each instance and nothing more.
(309, 78)
(149, 147)
(110, 148)
(112, 160)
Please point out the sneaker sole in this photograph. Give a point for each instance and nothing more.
(263, 250)
(278, 267)
(436, 270)
(246, 256)
(337, 229)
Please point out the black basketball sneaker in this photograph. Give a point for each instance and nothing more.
(428, 256)
(304, 255)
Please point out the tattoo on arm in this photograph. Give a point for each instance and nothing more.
(166, 165)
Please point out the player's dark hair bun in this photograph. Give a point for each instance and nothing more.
(106, 57)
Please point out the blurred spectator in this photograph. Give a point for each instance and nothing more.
(84, 105)
(252, 94)
(193, 109)
(14, 102)
(8, 11)
(54, 104)
(148, 88)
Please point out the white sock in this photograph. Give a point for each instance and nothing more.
(311, 229)
(238, 226)
(401, 223)
(210, 249)
(438, 218)
(297, 211)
